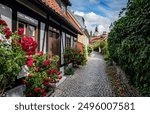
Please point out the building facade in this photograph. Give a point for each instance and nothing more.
(45, 21)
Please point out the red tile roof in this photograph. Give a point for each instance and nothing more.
(96, 38)
(55, 6)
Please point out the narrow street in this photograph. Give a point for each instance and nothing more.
(88, 81)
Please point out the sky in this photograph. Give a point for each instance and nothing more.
(100, 13)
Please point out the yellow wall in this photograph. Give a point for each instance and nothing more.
(81, 39)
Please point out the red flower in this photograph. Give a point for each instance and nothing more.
(29, 58)
(8, 34)
(59, 77)
(29, 75)
(43, 81)
(2, 22)
(40, 53)
(6, 30)
(0, 40)
(49, 72)
(29, 53)
(44, 94)
(53, 71)
(46, 62)
(46, 79)
(42, 91)
(28, 45)
(60, 72)
(29, 61)
(46, 83)
(36, 89)
(20, 31)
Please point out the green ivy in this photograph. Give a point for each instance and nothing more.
(129, 44)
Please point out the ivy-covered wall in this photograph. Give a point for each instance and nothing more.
(129, 44)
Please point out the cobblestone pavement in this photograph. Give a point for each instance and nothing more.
(88, 81)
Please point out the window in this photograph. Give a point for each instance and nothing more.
(68, 42)
(75, 42)
(53, 42)
(29, 30)
(22, 25)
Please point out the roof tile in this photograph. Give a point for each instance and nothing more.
(55, 6)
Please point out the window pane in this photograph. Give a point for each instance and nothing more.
(68, 42)
(31, 31)
(22, 26)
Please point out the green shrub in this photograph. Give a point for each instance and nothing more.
(129, 44)
(90, 49)
(96, 45)
(69, 71)
(74, 56)
(102, 44)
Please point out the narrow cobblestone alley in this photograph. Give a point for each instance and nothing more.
(88, 81)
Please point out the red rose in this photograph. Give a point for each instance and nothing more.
(28, 45)
(46, 79)
(29, 58)
(36, 89)
(2, 22)
(8, 34)
(6, 30)
(59, 77)
(46, 83)
(49, 72)
(29, 61)
(20, 31)
(44, 94)
(53, 71)
(60, 72)
(43, 81)
(40, 53)
(42, 91)
(28, 53)
(46, 62)
(0, 40)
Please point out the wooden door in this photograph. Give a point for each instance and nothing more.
(54, 43)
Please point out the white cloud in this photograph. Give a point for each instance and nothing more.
(92, 20)
(99, 13)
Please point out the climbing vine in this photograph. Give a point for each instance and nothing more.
(129, 44)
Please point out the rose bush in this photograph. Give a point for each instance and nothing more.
(74, 56)
(12, 57)
(17, 50)
(43, 74)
